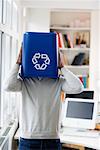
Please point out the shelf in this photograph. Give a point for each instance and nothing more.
(75, 33)
(86, 89)
(71, 28)
(78, 67)
(75, 49)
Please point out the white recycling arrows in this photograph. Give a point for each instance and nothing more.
(44, 57)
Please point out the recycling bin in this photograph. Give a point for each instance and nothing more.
(39, 55)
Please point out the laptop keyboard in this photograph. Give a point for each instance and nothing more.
(79, 132)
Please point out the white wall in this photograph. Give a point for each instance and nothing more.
(67, 4)
(37, 20)
(95, 46)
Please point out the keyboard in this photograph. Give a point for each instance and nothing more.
(79, 132)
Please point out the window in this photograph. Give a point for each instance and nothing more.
(8, 53)
(4, 11)
(0, 11)
(13, 96)
(14, 17)
(14, 51)
(9, 7)
(8, 99)
(6, 46)
(0, 74)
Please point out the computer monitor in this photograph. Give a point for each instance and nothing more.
(79, 113)
(85, 94)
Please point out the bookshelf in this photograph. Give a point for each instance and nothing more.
(74, 30)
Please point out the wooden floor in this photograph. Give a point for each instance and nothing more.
(72, 146)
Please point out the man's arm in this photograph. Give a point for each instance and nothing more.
(71, 84)
(12, 83)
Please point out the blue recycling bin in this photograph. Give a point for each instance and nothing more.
(39, 55)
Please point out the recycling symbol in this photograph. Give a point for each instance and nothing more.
(46, 61)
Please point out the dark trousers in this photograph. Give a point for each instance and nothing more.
(39, 144)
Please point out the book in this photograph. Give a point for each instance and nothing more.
(81, 79)
(82, 39)
(59, 41)
(70, 41)
(78, 59)
(66, 40)
(84, 78)
(62, 41)
(65, 58)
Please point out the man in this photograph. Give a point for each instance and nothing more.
(41, 106)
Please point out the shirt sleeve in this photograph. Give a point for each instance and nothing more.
(71, 83)
(12, 83)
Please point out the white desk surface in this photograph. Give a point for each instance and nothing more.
(84, 141)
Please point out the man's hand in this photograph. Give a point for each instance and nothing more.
(61, 60)
(19, 58)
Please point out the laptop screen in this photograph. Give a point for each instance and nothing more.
(82, 110)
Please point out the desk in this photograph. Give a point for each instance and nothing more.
(84, 141)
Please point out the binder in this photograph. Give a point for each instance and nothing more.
(79, 59)
(39, 55)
